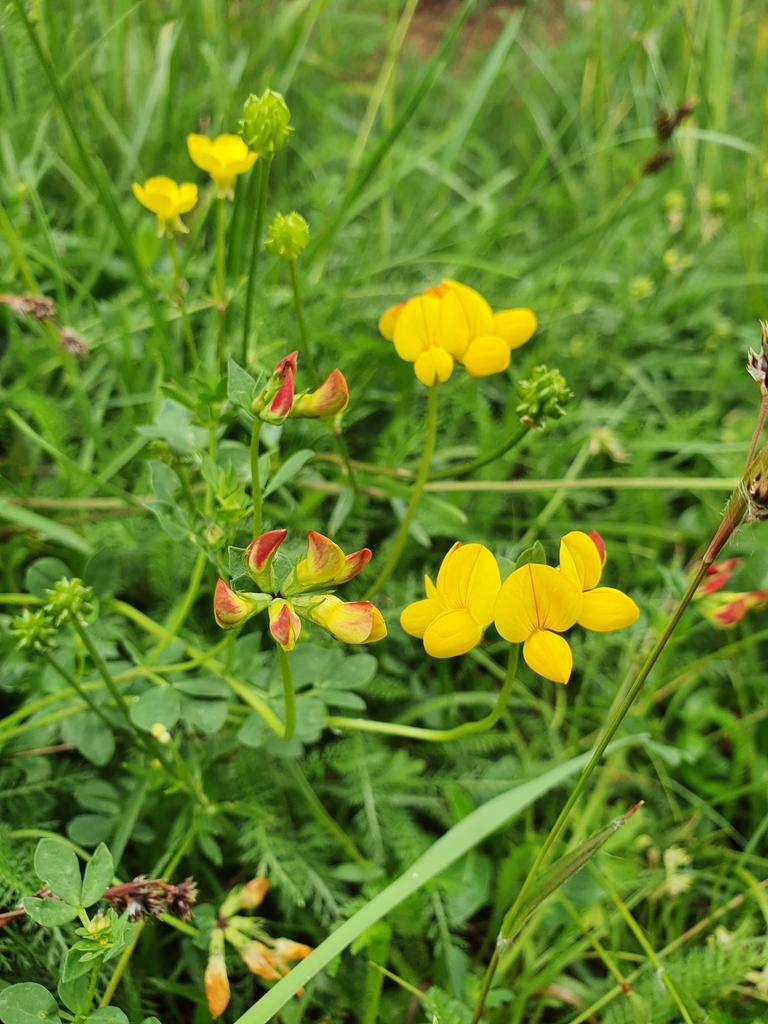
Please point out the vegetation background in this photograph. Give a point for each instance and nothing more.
(519, 173)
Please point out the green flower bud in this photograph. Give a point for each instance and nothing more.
(265, 122)
(33, 630)
(68, 600)
(544, 394)
(288, 236)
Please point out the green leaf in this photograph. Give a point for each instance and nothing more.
(208, 715)
(203, 686)
(57, 865)
(103, 573)
(536, 554)
(161, 705)
(341, 510)
(90, 829)
(562, 870)
(253, 731)
(98, 875)
(28, 1003)
(43, 573)
(241, 387)
(48, 912)
(108, 1015)
(91, 736)
(75, 966)
(74, 994)
(288, 470)
(173, 424)
(463, 837)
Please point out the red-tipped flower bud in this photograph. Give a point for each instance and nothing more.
(274, 402)
(356, 622)
(232, 609)
(284, 623)
(253, 893)
(259, 556)
(331, 398)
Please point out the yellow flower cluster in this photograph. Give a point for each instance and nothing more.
(533, 606)
(453, 323)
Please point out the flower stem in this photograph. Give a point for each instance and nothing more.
(178, 282)
(82, 694)
(302, 324)
(86, 1010)
(101, 668)
(262, 168)
(255, 481)
(469, 467)
(440, 735)
(221, 237)
(417, 490)
(289, 692)
(511, 922)
(758, 429)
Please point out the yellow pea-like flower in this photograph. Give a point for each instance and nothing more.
(416, 340)
(457, 320)
(603, 609)
(167, 201)
(224, 158)
(535, 604)
(457, 610)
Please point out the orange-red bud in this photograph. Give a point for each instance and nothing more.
(274, 402)
(326, 564)
(284, 623)
(599, 543)
(331, 398)
(288, 950)
(717, 575)
(727, 609)
(231, 609)
(259, 555)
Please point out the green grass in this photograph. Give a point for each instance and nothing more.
(517, 171)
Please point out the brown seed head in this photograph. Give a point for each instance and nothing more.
(38, 306)
(658, 161)
(73, 342)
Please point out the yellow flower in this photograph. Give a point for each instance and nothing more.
(535, 603)
(452, 619)
(167, 200)
(456, 322)
(603, 609)
(223, 158)
(479, 339)
(416, 340)
(352, 622)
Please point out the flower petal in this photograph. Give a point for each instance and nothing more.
(515, 326)
(486, 355)
(549, 655)
(324, 561)
(388, 319)
(284, 623)
(469, 578)
(453, 329)
(202, 154)
(416, 327)
(477, 313)
(356, 622)
(451, 634)
(187, 197)
(353, 563)
(580, 559)
(605, 609)
(445, 573)
(433, 366)
(415, 617)
(536, 597)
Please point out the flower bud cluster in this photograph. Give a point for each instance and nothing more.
(278, 399)
(287, 236)
(264, 956)
(69, 600)
(33, 630)
(264, 124)
(304, 592)
(544, 394)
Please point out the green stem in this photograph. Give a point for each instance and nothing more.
(82, 694)
(322, 815)
(417, 490)
(469, 467)
(189, 599)
(178, 282)
(263, 167)
(86, 1010)
(101, 668)
(510, 922)
(439, 735)
(221, 240)
(289, 692)
(122, 963)
(302, 324)
(255, 481)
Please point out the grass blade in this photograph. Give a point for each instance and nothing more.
(45, 527)
(463, 837)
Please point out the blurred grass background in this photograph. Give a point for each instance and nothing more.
(519, 172)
